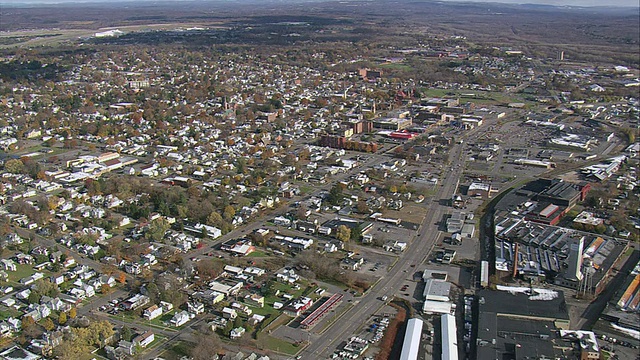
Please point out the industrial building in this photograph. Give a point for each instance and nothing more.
(516, 323)
(449, 337)
(412, 338)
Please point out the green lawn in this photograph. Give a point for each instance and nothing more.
(160, 320)
(279, 345)
(258, 253)
(6, 313)
(305, 189)
(22, 271)
(481, 97)
(157, 339)
(396, 66)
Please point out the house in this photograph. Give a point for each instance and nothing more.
(244, 308)
(330, 247)
(145, 339)
(17, 353)
(166, 306)
(127, 347)
(229, 313)
(108, 279)
(57, 279)
(180, 318)
(133, 269)
(233, 270)
(287, 276)
(395, 246)
(255, 299)
(352, 263)
(282, 221)
(296, 308)
(254, 271)
(56, 304)
(135, 302)
(5, 329)
(89, 291)
(217, 323)
(255, 319)
(195, 307)
(8, 264)
(152, 312)
(237, 333)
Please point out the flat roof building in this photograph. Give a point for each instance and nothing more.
(412, 337)
(449, 337)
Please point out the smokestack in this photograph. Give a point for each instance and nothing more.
(515, 261)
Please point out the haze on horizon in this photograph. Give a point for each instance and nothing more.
(586, 3)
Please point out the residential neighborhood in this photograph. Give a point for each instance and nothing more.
(298, 186)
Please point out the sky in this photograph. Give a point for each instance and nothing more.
(625, 3)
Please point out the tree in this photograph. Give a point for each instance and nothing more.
(28, 322)
(229, 212)
(356, 233)
(73, 313)
(157, 229)
(125, 333)
(62, 319)
(214, 218)
(34, 297)
(207, 344)
(48, 324)
(335, 195)
(14, 166)
(343, 233)
(362, 207)
(105, 288)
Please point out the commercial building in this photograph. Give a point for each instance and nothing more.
(394, 124)
(515, 322)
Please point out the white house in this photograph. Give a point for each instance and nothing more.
(180, 318)
(237, 333)
(152, 312)
(229, 313)
(195, 307)
(145, 339)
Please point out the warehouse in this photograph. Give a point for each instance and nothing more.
(412, 336)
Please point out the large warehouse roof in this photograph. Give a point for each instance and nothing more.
(449, 337)
(412, 337)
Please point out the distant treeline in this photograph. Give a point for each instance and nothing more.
(29, 70)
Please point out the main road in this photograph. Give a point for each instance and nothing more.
(415, 254)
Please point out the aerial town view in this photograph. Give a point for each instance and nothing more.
(319, 179)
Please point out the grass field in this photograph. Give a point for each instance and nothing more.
(278, 345)
(22, 271)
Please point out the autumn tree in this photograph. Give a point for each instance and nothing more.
(207, 344)
(28, 322)
(62, 318)
(14, 166)
(48, 324)
(229, 213)
(157, 229)
(343, 233)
